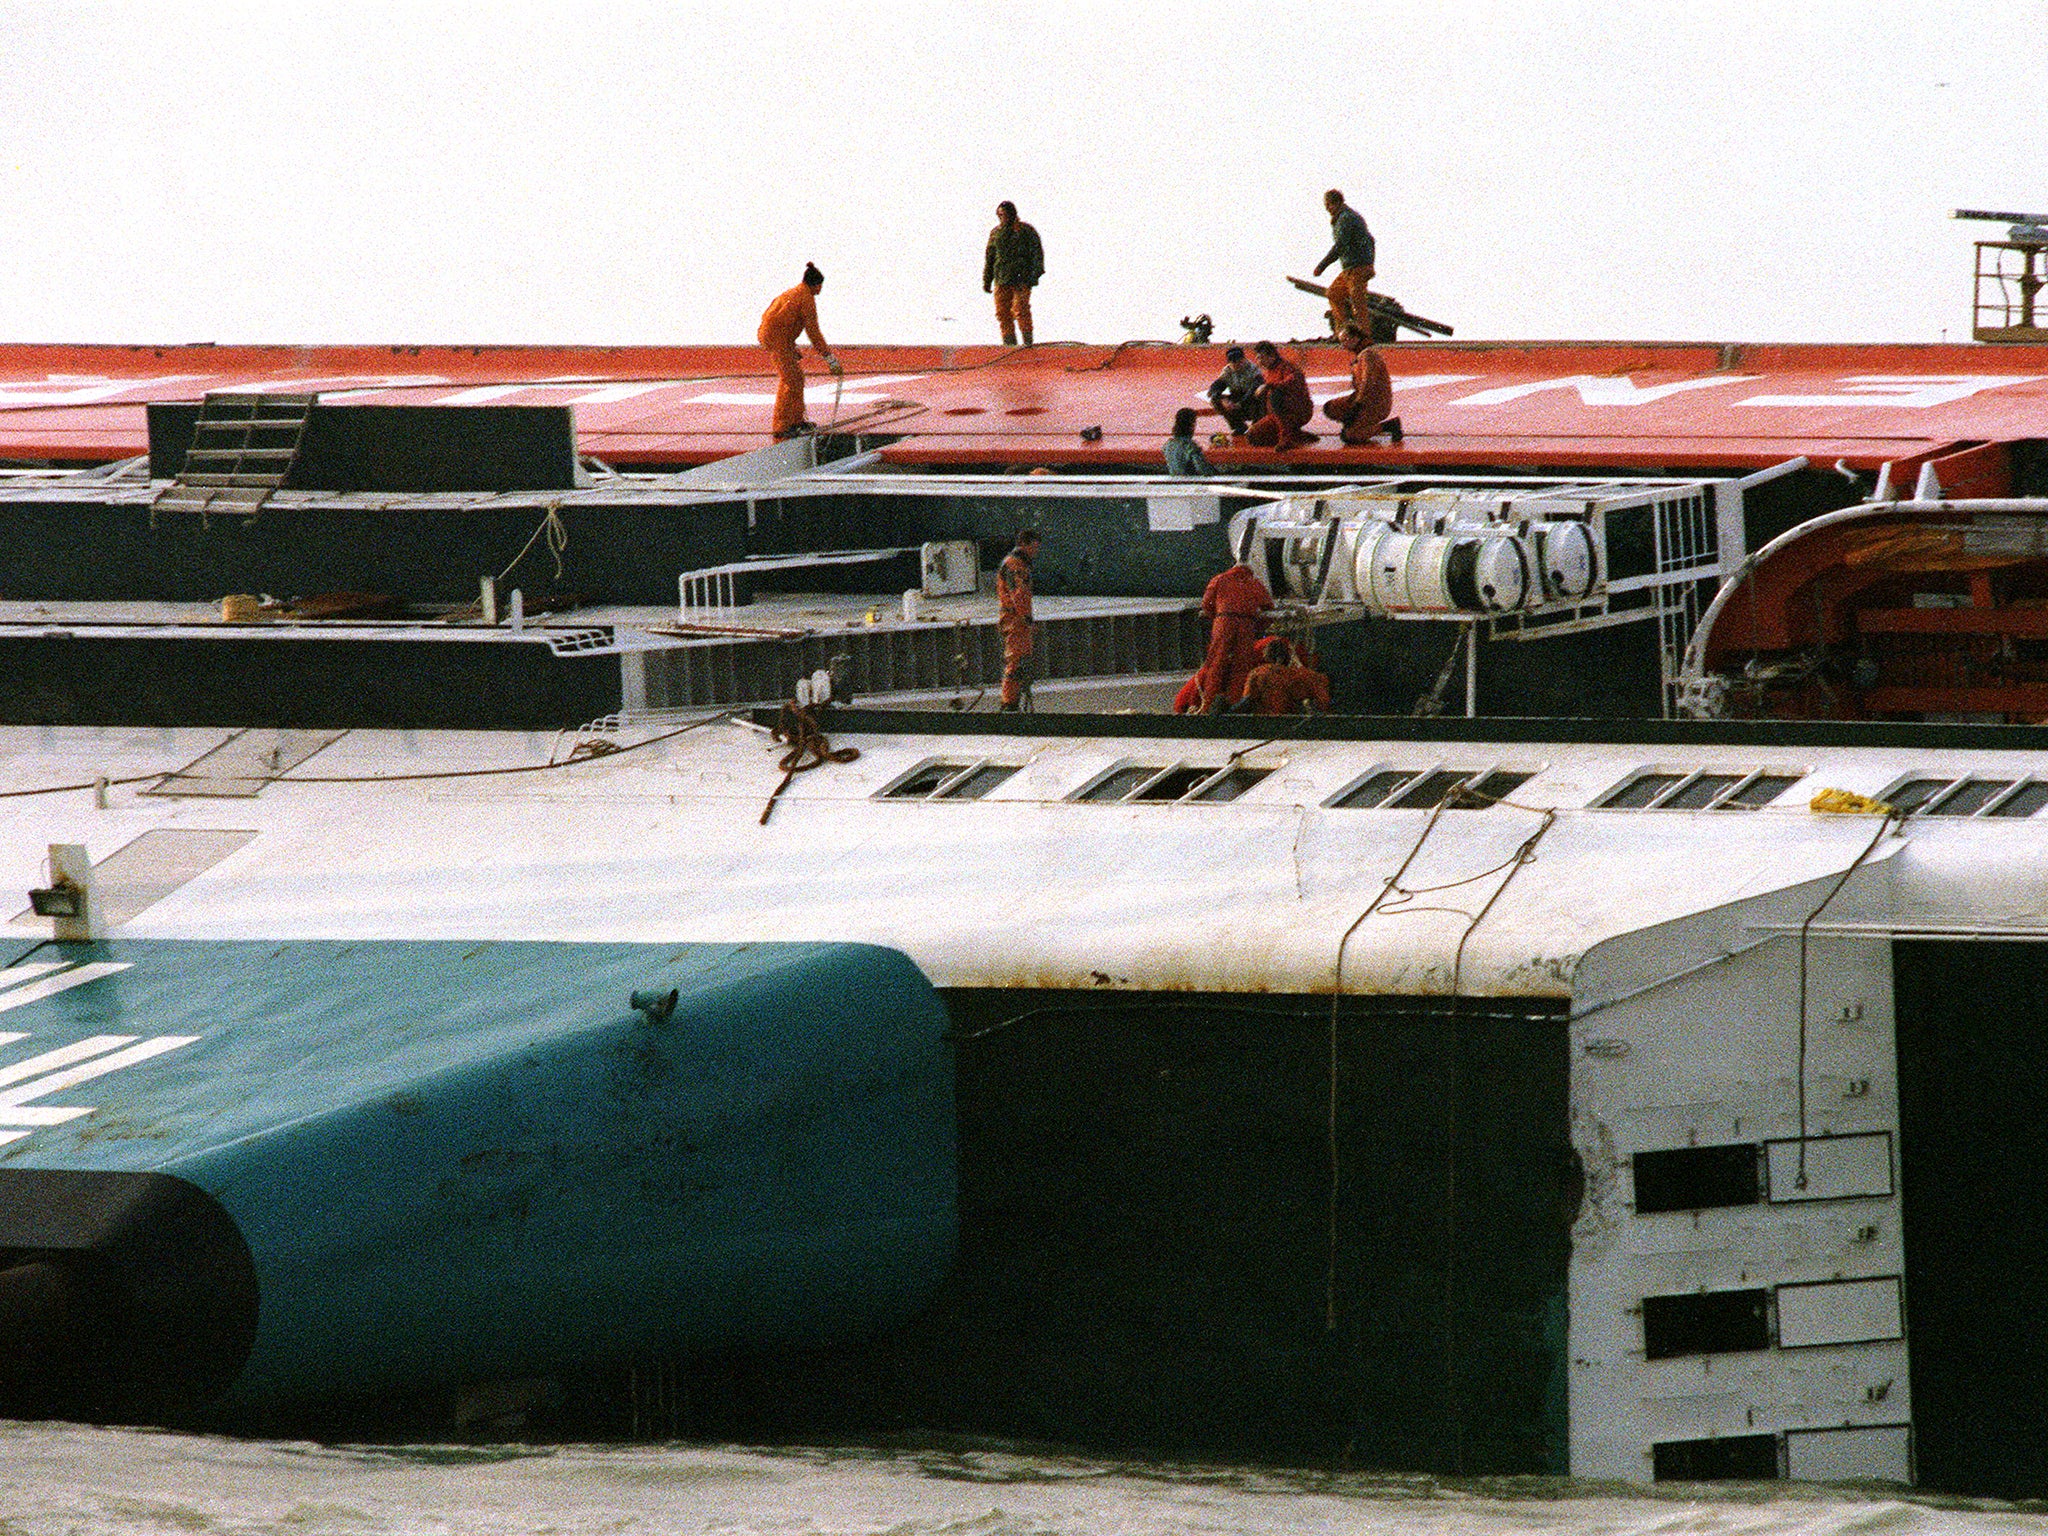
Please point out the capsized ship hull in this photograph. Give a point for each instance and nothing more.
(249, 1173)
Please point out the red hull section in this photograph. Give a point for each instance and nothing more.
(1538, 404)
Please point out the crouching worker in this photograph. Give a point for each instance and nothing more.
(1283, 683)
(1236, 390)
(1284, 398)
(1364, 411)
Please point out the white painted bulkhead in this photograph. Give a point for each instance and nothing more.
(1674, 933)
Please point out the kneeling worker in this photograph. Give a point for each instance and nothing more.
(794, 312)
(1285, 399)
(1364, 411)
(1283, 683)
(1235, 390)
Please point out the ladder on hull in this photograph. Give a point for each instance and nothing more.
(243, 449)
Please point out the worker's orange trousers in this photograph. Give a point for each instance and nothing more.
(1231, 656)
(789, 388)
(1016, 660)
(1347, 299)
(1013, 312)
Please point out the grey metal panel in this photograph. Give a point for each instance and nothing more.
(1840, 1312)
(1866, 1453)
(1836, 1167)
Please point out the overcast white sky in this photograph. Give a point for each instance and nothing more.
(617, 172)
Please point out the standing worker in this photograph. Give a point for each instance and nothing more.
(1353, 251)
(1014, 263)
(794, 313)
(1364, 410)
(1235, 604)
(1013, 620)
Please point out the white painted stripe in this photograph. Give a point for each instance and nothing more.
(15, 975)
(50, 986)
(8, 1036)
(7, 1136)
(14, 1112)
(64, 1056)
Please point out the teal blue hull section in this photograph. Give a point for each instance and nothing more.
(460, 1162)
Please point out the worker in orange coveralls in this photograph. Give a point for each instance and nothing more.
(1364, 411)
(1235, 604)
(1285, 399)
(1283, 683)
(1013, 621)
(794, 313)
(1354, 250)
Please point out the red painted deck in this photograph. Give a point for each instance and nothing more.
(1569, 405)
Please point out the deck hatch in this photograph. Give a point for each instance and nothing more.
(1706, 1323)
(1697, 1178)
(244, 765)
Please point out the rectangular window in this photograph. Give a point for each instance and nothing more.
(1432, 790)
(948, 780)
(1761, 790)
(1717, 789)
(1697, 1178)
(1118, 782)
(973, 786)
(1231, 783)
(1701, 792)
(1969, 797)
(1174, 783)
(2024, 801)
(1706, 1323)
(1914, 793)
(1730, 1458)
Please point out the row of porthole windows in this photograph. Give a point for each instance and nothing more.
(1457, 788)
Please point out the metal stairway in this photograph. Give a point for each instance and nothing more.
(243, 447)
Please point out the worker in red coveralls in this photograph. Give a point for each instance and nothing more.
(1283, 683)
(1013, 620)
(1364, 411)
(1235, 604)
(1285, 401)
(794, 313)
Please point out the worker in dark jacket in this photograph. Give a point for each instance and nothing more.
(1014, 263)
(1236, 387)
(1013, 615)
(1284, 398)
(1353, 249)
(1364, 410)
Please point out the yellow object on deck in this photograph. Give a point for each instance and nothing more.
(1843, 802)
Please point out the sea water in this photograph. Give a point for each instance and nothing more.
(69, 1480)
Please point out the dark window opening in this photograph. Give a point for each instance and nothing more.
(1114, 786)
(924, 781)
(1701, 792)
(1499, 784)
(1731, 1458)
(1639, 792)
(1233, 784)
(1171, 786)
(1914, 793)
(1761, 790)
(980, 782)
(2024, 801)
(1970, 797)
(1705, 1323)
(1697, 1178)
(1434, 789)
